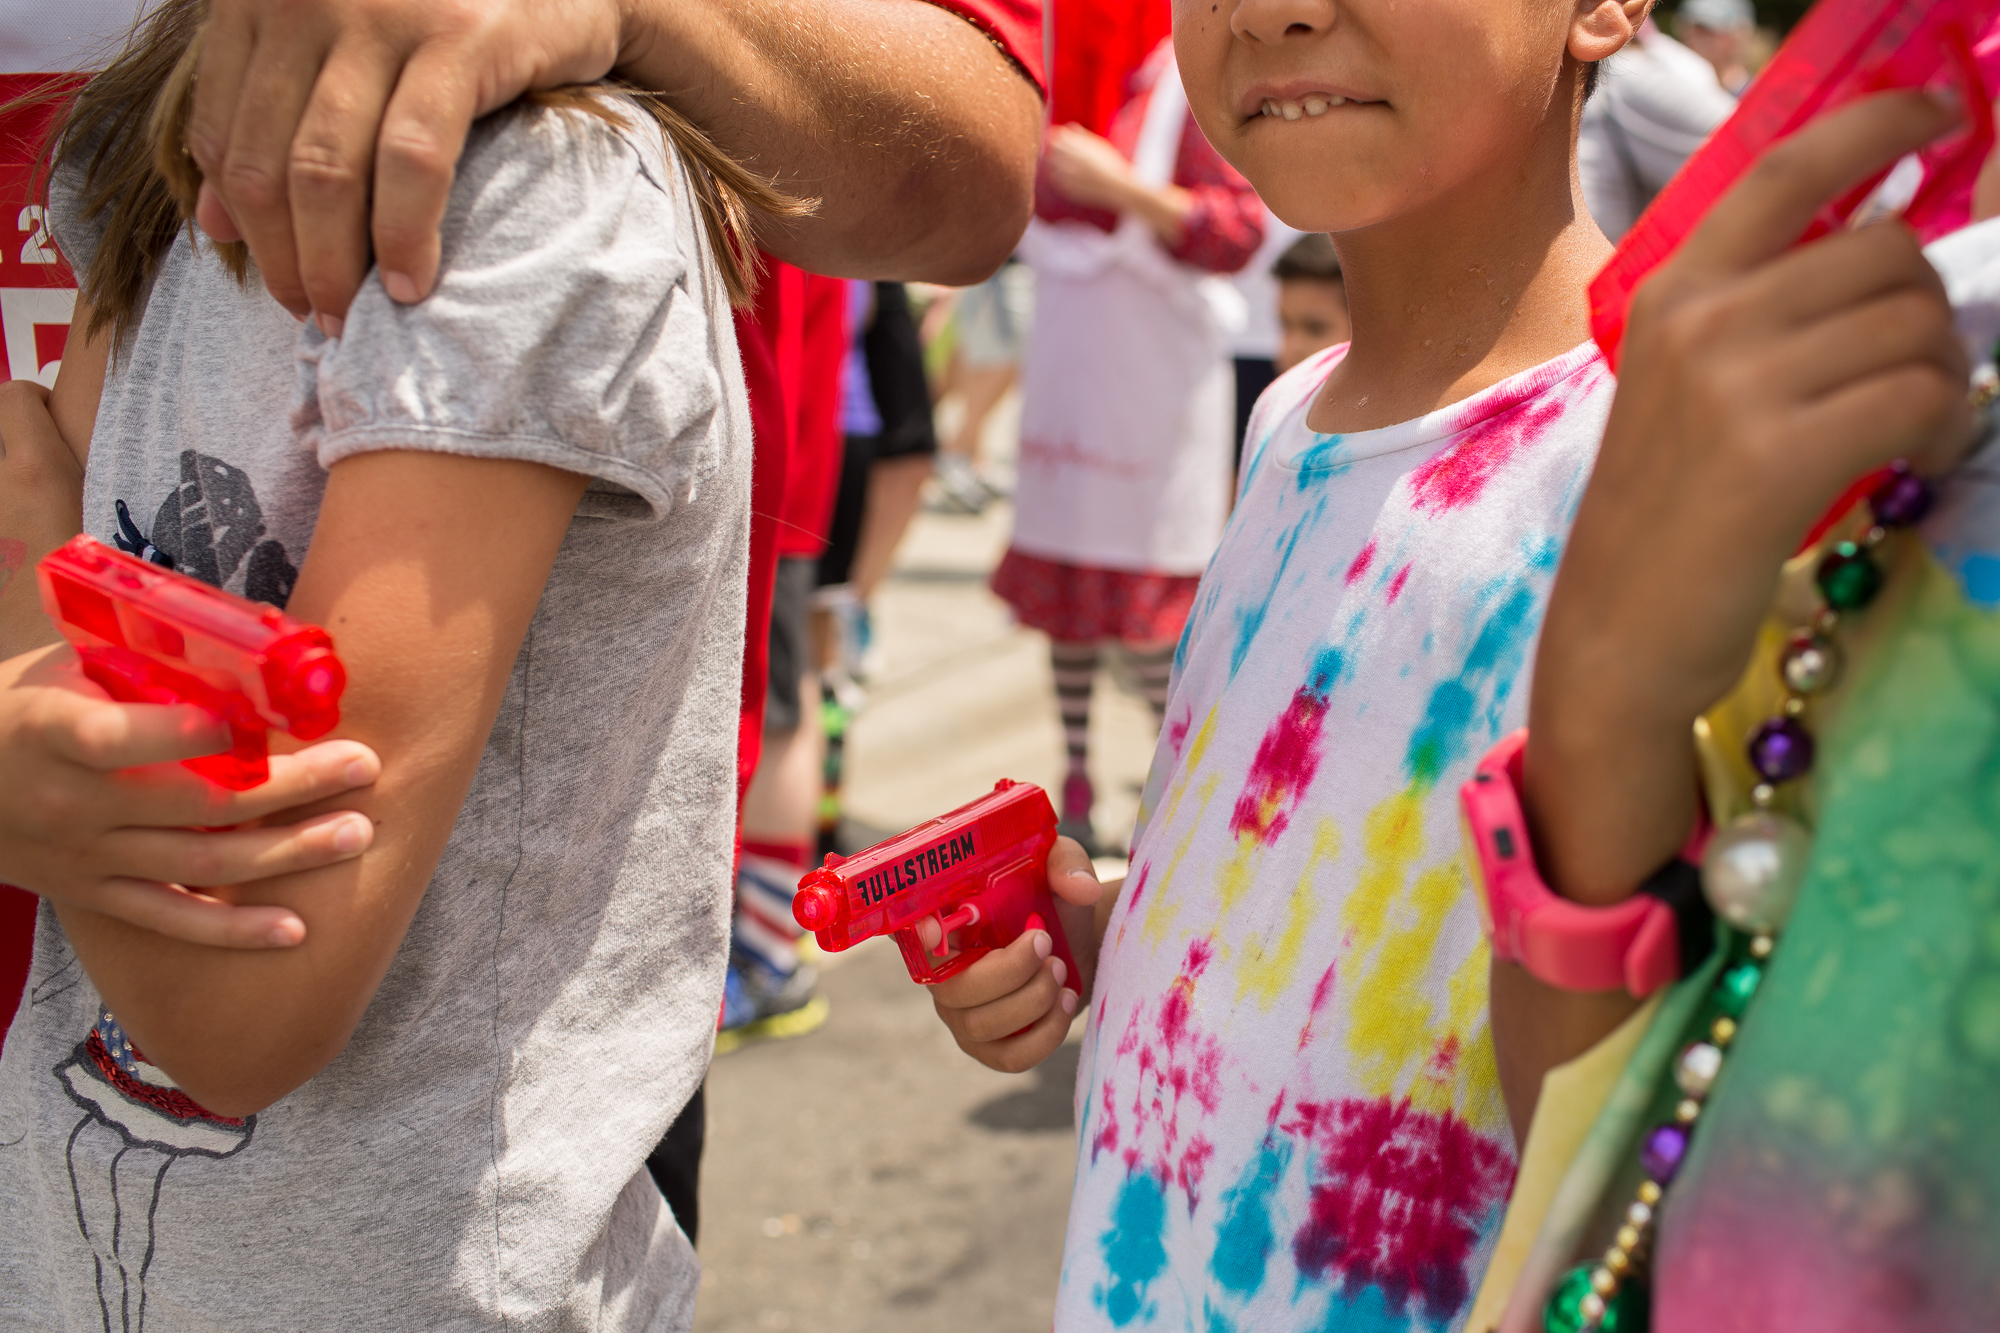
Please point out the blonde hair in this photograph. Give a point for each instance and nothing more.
(125, 135)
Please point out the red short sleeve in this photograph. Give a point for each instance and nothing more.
(1015, 24)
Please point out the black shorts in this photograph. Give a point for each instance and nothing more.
(903, 401)
(791, 643)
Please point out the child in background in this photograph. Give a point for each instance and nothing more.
(1312, 299)
(1126, 398)
(1289, 1114)
(521, 507)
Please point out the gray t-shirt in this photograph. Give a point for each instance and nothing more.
(476, 1156)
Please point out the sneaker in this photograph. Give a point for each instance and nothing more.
(759, 1004)
(958, 486)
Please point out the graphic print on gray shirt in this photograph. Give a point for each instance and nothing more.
(475, 1156)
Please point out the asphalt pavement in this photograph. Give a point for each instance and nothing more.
(868, 1176)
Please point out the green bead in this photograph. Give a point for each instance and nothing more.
(1849, 578)
(1738, 984)
(1627, 1312)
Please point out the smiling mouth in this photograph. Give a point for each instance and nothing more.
(1316, 104)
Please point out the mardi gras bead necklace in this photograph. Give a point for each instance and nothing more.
(1751, 876)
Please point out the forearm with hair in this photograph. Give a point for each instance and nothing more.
(913, 130)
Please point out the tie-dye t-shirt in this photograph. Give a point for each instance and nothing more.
(1288, 1111)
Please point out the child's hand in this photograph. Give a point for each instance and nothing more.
(1012, 1008)
(1757, 382)
(97, 812)
(1087, 169)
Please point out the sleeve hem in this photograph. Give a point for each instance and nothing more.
(649, 486)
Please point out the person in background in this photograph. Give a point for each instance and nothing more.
(1720, 32)
(1126, 414)
(890, 442)
(992, 321)
(1312, 299)
(1256, 347)
(1656, 102)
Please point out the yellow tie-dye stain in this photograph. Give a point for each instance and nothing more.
(1265, 975)
(1394, 1032)
(1160, 915)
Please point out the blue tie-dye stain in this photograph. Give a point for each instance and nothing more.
(1329, 665)
(1496, 655)
(1320, 463)
(1367, 1310)
(1134, 1249)
(1244, 1241)
(1217, 1321)
(1250, 617)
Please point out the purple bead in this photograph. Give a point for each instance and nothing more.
(1660, 1155)
(1781, 750)
(1902, 500)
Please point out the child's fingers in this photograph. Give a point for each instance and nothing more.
(1883, 335)
(1916, 412)
(1024, 1049)
(1071, 876)
(236, 856)
(1001, 972)
(166, 909)
(330, 768)
(1012, 1012)
(1833, 274)
(1766, 211)
(97, 734)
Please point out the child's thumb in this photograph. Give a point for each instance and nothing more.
(1071, 876)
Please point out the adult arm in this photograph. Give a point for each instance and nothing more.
(429, 615)
(914, 130)
(1757, 382)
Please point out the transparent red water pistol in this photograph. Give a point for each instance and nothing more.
(148, 635)
(1842, 50)
(980, 873)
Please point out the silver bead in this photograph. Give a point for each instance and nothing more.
(1699, 1064)
(1639, 1216)
(1753, 869)
(1810, 664)
(1591, 1307)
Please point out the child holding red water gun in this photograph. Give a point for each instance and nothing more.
(520, 508)
(1290, 1113)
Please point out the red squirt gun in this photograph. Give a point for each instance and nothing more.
(980, 872)
(1842, 50)
(148, 635)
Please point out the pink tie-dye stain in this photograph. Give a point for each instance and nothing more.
(1283, 768)
(1456, 477)
(1399, 1199)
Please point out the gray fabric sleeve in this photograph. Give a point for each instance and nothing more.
(76, 238)
(569, 325)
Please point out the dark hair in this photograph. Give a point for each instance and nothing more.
(1590, 78)
(124, 135)
(1311, 258)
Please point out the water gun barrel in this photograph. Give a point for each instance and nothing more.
(146, 634)
(980, 873)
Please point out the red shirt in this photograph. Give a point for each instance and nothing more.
(795, 472)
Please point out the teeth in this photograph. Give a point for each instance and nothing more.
(1291, 110)
(1315, 106)
(1270, 108)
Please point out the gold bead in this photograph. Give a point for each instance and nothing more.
(1628, 1239)
(1874, 536)
(1618, 1261)
(1649, 1193)
(1761, 946)
(1724, 1031)
(1604, 1283)
(1688, 1111)
(1794, 706)
(1762, 795)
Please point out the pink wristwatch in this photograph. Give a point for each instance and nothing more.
(1637, 945)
